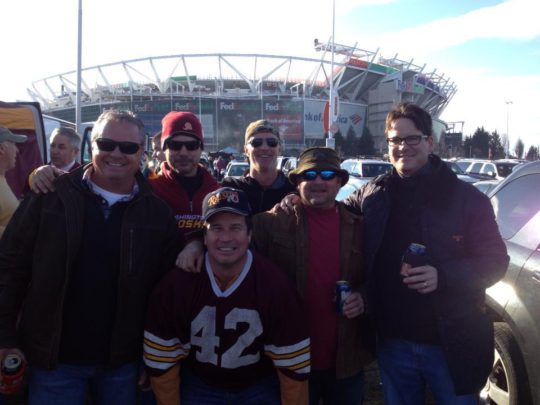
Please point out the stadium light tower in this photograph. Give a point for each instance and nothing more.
(508, 102)
(79, 68)
(330, 141)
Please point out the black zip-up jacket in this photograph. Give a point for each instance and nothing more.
(464, 245)
(37, 255)
(261, 198)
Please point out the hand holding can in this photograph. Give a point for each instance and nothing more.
(12, 370)
(343, 290)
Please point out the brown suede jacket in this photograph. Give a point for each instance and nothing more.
(284, 239)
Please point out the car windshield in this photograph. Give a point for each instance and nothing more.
(454, 167)
(237, 170)
(375, 169)
(504, 169)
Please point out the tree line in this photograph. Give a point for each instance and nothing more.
(483, 144)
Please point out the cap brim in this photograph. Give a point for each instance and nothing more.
(224, 209)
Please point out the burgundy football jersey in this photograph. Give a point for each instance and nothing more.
(229, 339)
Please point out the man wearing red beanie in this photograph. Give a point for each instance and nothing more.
(182, 181)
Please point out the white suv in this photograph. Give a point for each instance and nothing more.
(494, 169)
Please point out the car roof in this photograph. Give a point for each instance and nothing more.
(519, 171)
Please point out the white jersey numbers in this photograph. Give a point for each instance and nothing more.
(205, 341)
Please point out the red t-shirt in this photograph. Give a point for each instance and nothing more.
(323, 272)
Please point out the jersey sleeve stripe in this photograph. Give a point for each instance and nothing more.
(274, 356)
(163, 348)
(160, 341)
(287, 349)
(166, 354)
(164, 359)
(294, 363)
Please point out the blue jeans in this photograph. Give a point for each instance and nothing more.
(324, 386)
(70, 385)
(406, 367)
(195, 392)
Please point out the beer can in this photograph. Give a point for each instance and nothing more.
(343, 290)
(415, 255)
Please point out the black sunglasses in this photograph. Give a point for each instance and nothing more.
(257, 142)
(310, 175)
(108, 145)
(177, 145)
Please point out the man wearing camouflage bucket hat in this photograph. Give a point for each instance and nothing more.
(317, 246)
(229, 327)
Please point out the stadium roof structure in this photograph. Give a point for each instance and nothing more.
(228, 75)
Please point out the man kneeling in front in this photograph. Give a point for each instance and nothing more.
(236, 328)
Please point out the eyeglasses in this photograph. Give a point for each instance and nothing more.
(177, 145)
(310, 175)
(410, 140)
(108, 145)
(257, 142)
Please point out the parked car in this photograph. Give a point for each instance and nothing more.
(366, 168)
(289, 165)
(485, 186)
(281, 160)
(460, 173)
(350, 187)
(236, 169)
(514, 302)
(494, 169)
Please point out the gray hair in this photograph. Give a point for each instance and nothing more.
(119, 116)
(71, 134)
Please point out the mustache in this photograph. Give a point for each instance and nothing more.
(318, 187)
(183, 160)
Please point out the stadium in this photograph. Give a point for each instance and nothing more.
(227, 91)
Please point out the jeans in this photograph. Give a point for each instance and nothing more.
(69, 385)
(195, 392)
(324, 386)
(406, 367)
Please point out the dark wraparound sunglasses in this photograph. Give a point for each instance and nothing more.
(108, 145)
(311, 175)
(177, 145)
(257, 142)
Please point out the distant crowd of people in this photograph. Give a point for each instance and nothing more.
(138, 279)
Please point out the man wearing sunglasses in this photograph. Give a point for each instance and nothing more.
(319, 244)
(76, 268)
(435, 310)
(183, 181)
(265, 185)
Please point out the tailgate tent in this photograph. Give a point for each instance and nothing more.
(25, 119)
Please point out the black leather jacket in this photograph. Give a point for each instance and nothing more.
(37, 254)
(465, 246)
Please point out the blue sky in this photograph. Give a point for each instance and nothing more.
(490, 49)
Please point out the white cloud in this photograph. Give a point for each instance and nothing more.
(512, 19)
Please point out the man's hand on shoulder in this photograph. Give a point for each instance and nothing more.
(190, 259)
(287, 204)
(41, 180)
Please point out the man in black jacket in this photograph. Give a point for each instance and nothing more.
(83, 260)
(265, 185)
(431, 318)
